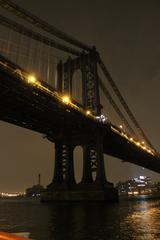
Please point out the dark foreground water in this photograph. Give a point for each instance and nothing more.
(138, 220)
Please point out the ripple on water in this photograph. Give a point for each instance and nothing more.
(82, 221)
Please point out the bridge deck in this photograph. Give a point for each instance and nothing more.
(30, 106)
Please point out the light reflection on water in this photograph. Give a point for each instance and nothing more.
(144, 221)
(90, 221)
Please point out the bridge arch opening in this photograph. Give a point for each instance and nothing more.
(78, 163)
(77, 86)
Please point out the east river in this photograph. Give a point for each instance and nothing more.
(126, 220)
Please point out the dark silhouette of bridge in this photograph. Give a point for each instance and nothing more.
(51, 109)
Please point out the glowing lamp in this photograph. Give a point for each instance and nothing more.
(31, 79)
(88, 112)
(66, 99)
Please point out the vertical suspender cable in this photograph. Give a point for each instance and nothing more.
(114, 105)
(31, 18)
(123, 102)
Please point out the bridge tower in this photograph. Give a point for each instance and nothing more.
(63, 185)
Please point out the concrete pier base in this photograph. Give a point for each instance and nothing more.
(107, 194)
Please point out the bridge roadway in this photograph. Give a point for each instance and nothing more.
(37, 107)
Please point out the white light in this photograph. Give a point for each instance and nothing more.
(141, 177)
(103, 118)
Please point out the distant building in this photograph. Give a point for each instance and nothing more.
(138, 186)
(35, 190)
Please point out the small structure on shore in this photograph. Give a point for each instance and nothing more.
(35, 190)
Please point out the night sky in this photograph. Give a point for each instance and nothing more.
(127, 35)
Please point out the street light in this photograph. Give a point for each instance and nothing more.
(31, 79)
(88, 112)
(66, 99)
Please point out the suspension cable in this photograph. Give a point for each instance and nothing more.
(31, 18)
(123, 102)
(34, 20)
(114, 105)
(36, 36)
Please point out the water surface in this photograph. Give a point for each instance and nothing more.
(136, 220)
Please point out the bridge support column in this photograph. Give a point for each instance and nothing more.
(100, 172)
(69, 175)
(87, 171)
(93, 161)
(58, 174)
(64, 169)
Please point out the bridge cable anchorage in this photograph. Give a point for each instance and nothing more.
(114, 105)
(36, 21)
(36, 36)
(123, 102)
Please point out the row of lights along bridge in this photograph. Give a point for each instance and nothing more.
(31, 79)
(66, 99)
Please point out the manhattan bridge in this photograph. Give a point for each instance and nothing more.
(56, 85)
